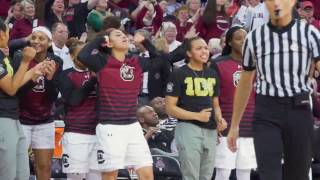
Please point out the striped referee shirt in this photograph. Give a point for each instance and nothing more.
(282, 57)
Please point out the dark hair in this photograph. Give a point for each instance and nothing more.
(188, 46)
(73, 43)
(227, 48)
(14, 2)
(210, 12)
(3, 26)
(111, 22)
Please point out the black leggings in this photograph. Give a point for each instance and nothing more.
(282, 130)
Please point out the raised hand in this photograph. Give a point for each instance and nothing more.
(28, 54)
(138, 38)
(38, 70)
(191, 33)
(50, 69)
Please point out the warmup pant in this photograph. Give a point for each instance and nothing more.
(282, 130)
(197, 150)
(14, 162)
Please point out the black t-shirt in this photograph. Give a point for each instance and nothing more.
(195, 90)
(8, 104)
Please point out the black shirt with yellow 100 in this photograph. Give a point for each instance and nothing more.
(195, 91)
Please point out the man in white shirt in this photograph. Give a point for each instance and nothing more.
(144, 95)
(252, 16)
(59, 38)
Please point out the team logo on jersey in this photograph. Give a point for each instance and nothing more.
(100, 156)
(65, 160)
(40, 87)
(126, 72)
(169, 87)
(236, 78)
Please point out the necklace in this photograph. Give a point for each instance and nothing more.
(194, 72)
(203, 84)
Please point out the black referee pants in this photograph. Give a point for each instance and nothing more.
(282, 130)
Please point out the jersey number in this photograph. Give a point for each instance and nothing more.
(200, 86)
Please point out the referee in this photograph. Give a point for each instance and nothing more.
(281, 53)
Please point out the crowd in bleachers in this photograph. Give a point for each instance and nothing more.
(67, 42)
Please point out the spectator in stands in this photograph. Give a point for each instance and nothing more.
(155, 136)
(76, 16)
(127, 5)
(316, 5)
(215, 47)
(172, 6)
(214, 20)
(143, 52)
(194, 6)
(15, 13)
(59, 38)
(78, 88)
(169, 32)
(229, 68)
(163, 4)
(150, 17)
(95, 18)
(255, 15)
(165, 121)
(54, 12)
(306, 12)
(182, 23)
(23, 28)
(36, 99)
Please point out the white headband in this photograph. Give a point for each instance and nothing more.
(43, 30)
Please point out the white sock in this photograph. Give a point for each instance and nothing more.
(222, 174)
(93, 175)
(243, 174)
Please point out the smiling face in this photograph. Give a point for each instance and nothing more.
(199, 51)
(40, 41)
(29, 10)
(58, 6)
(170, 35)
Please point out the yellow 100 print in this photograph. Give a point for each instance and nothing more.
(200, 86)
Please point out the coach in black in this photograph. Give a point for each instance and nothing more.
(281, 53)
